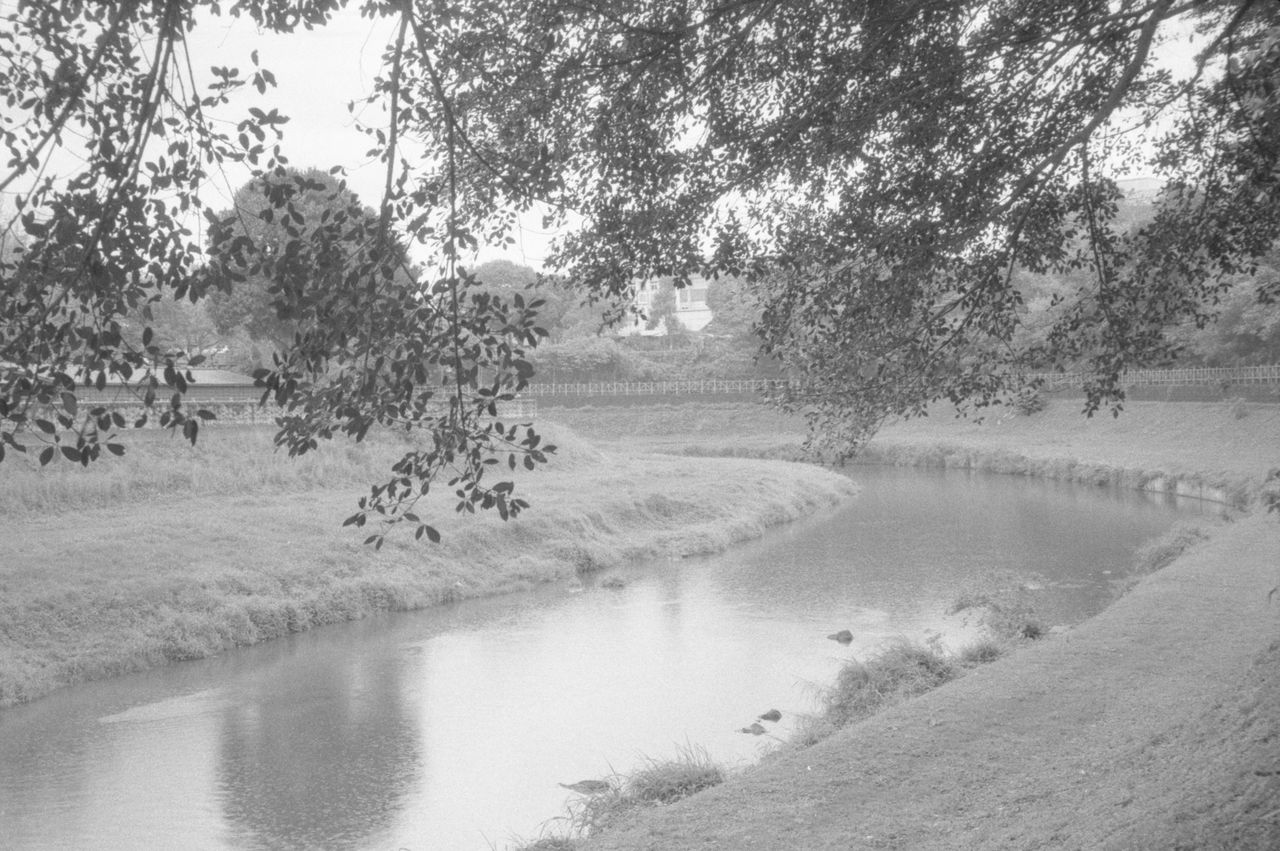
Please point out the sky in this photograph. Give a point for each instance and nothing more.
(318, 73)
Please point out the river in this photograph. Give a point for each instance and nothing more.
(451, 728)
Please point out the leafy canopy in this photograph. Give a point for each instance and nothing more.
(878, 173)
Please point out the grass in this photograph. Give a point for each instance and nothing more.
(117, 569)
(899, 671)
(656, 783)
(1161, 552)
(1148, 447)
(1008, 609)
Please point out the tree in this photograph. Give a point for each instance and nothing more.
(878, 172)
(259, 305)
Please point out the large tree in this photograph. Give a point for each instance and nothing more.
(878, 172)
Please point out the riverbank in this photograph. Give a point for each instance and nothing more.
(1154, 725)
(180, 554)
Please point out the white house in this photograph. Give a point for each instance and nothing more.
(691, 309)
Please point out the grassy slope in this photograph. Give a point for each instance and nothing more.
(1219, 445)
(1143, 728)
(121, 568)
(1219, 451)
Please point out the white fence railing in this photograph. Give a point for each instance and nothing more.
(247, 395)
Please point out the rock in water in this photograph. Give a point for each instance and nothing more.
(588, 787)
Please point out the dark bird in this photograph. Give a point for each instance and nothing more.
(771, 715)
(588, 787)
(755, 729)
(843, 636)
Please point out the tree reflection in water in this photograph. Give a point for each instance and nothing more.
(323, 755)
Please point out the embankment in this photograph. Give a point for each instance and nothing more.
(1154, 725)
(179, 555)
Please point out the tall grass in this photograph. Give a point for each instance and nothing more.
(226, 460)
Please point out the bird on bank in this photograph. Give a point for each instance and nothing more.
(844, 636)
(755, 729)
(771, 715)
(588, 787)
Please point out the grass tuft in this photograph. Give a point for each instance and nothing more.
(667, 781)
(900, 671)
(981, 652)
(656, 783)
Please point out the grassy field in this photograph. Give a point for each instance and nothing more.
(1221, 451)
(176, 553)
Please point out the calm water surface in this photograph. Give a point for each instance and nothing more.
(450, 729)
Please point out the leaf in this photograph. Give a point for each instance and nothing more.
(432, 535)
(46, 456)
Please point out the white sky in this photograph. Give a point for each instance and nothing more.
(318, 73)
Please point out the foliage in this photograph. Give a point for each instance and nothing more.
(1028, 401)
(878, 173)
(564, 314)
(374, 344)
(662, 310)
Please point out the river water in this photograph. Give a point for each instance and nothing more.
(451, 728)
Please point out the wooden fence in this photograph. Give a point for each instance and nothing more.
(240, 401)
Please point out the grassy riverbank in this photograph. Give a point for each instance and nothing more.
(1156, 724)
(176, 553)
(1219, 450)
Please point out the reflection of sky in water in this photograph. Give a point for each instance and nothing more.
(450, 729)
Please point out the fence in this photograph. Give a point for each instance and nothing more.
(240, 401)
(1198, 377)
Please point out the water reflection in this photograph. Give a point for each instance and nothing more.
(317, 754)
(452, 728)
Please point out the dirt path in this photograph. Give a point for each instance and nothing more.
(1154, 725)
